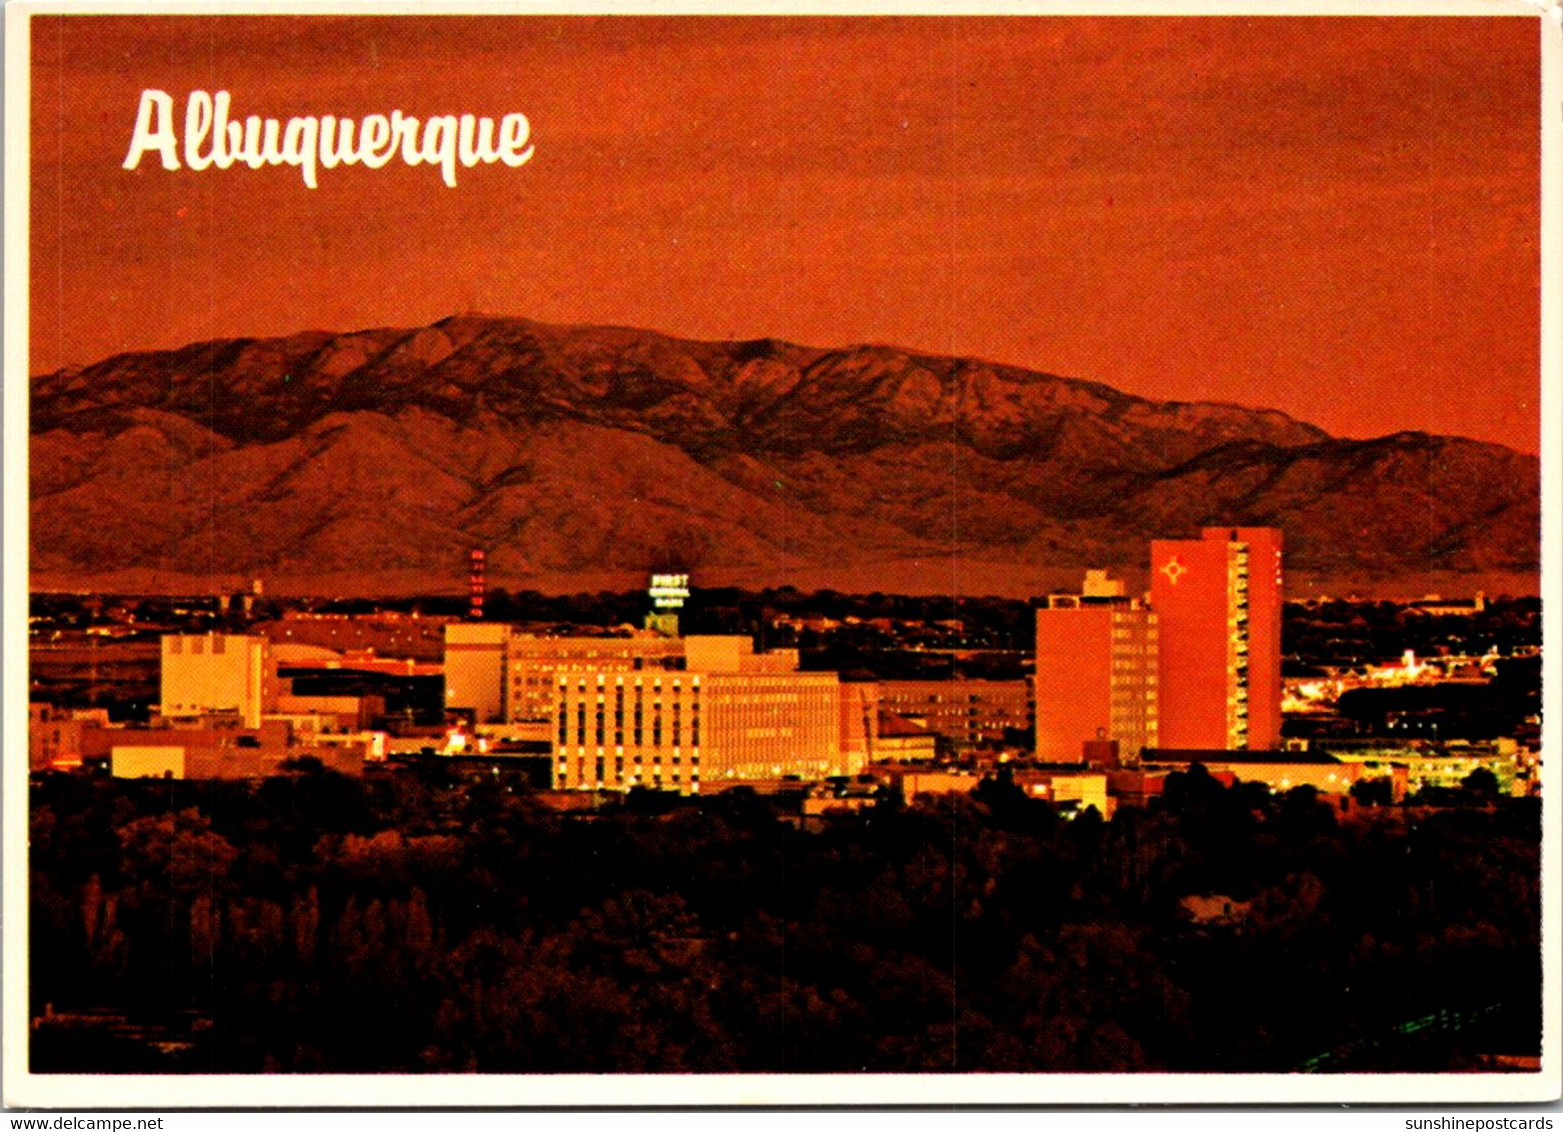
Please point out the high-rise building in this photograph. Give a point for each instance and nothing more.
(667, 713)
(1096, 672)
(1218, 604)
(216, 673)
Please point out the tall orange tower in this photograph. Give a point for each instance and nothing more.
(1218, 608)
(1096, 673)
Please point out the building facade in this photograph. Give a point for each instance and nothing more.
(1097, 677)
(54, 735)
(970, 713)
(668, 728)
(1218, 603)
(475, 656)
(215, 673)
(532, 666)
(859, 722)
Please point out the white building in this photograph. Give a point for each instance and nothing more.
(214, 674)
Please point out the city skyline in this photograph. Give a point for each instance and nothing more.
(1016, 190)
(625, 749)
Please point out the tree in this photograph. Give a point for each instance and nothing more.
(176, 852)
(1373, 791)
(1481, 783)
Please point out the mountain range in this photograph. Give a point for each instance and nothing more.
(584, 457)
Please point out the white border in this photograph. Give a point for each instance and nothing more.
(76, 1092)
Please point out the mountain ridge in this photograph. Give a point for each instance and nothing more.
(581, 449)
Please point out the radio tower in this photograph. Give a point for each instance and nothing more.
(476, 587)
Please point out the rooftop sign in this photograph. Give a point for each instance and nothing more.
(669, 591)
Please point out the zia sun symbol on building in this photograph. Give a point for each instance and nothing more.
(1174, 569)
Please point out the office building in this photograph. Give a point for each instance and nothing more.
(217, 674)
(716, 713)
(969, 713)
(1218, 606)
(859, 723)
(1096, 673)
(532, 665)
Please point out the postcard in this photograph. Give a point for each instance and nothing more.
(961, 554)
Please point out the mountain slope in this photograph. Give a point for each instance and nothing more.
(573, 450)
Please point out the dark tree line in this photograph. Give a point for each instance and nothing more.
(321, 924)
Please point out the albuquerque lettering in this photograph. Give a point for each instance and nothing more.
(213, 139)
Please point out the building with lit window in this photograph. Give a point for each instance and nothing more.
(499, 675)
(859, 723)
(969, 713)
(1096, 672)
(1218, 604)
(54, 735)
(532, 666)
(716, 714)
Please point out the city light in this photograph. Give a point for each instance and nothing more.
(669, 591)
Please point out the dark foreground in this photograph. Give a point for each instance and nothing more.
(406, 924)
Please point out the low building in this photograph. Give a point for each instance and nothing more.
(1214, 911)
(1069, 787)
(225, 752)
(1435, 605)
(902, 740)
(55, 735)
(388, 633)
(1279, 770)
(821, 802)
(341, 713)
(1135, 786)
(969, 713)
(1440, 765)
(916, 784)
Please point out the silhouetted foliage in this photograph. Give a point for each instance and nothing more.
(1379, 791)
(1481, 783)
(316, 923)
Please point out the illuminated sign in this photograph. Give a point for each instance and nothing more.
(669, 591)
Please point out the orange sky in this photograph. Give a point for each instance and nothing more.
(1337, 218)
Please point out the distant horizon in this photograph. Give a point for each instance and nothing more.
(459, 598)
(1479, 584)
(1252, 407)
